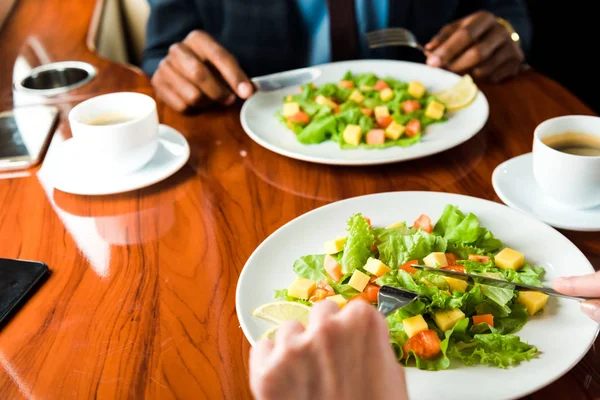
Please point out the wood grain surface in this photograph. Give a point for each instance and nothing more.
(140, 303)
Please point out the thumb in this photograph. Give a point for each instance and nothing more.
(592, 309)
(585, 285)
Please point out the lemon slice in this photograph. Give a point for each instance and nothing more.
(269, 333)
(281, 311)
(460, 95)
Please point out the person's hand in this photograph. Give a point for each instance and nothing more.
(340, 355)
(477, 44)
(584, 286)
(197, 72)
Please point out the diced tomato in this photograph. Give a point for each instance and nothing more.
(376, 136)
(424, 222)
(318, 295)
(455, 268)
(425, 345)
(336, 109)
(361, 296)
(413, 128)
(334, 270)
(325, 286)
(479, 259)
(451, 258)
(384, 122)
(373, 248)
(407, 266)
(373, 278)
(371, 291)
(488, 318)
(300, 117)
(367, 111)
(410, 106)
(380, 85)
(347, 84)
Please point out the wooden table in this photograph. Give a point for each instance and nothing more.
(141, 298)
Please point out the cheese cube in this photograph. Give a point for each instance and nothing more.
(435, 110)
(386, 94)
(359, 280)
(446, 319)
(509, 259)
(457, 284)
(414, 325)
(534, 301)
(382, 111)
(352, 134)
(338, 299)
(436, 260)
(376, 267)
(394, 130)
(324, 101)
(365, 87)
(335, 246)
(416, 89)
(357, 97)
(395, 225)
(302, 288)
(290, 109)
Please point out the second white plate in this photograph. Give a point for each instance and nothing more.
(259, 120)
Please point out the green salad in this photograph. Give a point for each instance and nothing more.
(452, 318)
(362, 111)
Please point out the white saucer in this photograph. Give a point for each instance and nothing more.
(172, 153)
(514, 183)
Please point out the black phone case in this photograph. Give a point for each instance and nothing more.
(17, 281)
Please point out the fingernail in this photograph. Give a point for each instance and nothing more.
(244, 90)
(591, 309)
(434, 61)
(230, 100)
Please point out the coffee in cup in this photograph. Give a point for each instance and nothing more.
(115, 133)
(566, 160)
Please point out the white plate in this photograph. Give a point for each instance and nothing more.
(562, 333)
(514, 183)
(65, 175)
(259, 120)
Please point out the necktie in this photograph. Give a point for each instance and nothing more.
(343, 32)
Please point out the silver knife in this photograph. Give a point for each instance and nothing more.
(280, 80)
(500, 283)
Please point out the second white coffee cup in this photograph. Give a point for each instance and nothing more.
(115, 133)
(572, 180)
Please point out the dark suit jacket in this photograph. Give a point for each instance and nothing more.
(268, 36)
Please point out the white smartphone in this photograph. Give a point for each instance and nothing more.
(24, 135)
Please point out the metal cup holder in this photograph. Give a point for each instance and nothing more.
(56, 78)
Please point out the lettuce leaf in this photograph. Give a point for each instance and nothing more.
(283, 296)
(345, 290)
(460, 230)
(311, 267)
(398, 245)
(494, 349)
(528, 274)
(318, 130)
(357, 249)
(513, 322)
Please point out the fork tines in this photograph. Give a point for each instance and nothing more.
(391, 37)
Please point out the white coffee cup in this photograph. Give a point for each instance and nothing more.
(115, 133)
(571, 180)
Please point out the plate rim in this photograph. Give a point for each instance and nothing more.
(508, 202)
(560, 374)
(336, 161)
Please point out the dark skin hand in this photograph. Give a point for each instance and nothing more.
(198, 72)
(478, 45)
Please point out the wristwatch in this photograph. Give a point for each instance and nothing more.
(513, 34)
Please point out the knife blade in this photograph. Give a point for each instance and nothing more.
(280, 80)
(499, 283)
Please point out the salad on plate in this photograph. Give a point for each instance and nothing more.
(366, 111)
(452, 318)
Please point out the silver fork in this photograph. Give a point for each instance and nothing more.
(390, 299)
(393, 37)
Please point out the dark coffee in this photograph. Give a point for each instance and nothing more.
(110, 119)
(576, 143)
